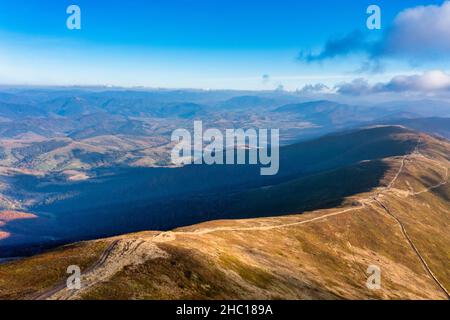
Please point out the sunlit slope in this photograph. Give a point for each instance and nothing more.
(401, 225)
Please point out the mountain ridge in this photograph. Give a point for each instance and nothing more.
(319, 254)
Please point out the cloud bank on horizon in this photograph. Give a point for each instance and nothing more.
(430, 81)
(273, 45)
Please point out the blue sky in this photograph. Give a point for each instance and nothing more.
(197, 43)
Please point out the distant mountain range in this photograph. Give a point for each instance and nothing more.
(102, 128)
(358, 185)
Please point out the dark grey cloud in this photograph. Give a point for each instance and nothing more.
(339, 46)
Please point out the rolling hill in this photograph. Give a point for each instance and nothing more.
(396, 220)
(330, 113)
(435, 126)
(134, 199)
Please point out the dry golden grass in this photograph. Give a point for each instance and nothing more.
(30, 276)
(315, 255)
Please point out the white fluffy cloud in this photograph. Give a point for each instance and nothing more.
(418, 35)
(420, 32)
(318, 88)
(358, 86)
(428, 82)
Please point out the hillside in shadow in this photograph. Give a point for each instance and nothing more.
(313, 175)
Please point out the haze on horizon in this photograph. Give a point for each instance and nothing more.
(288, 45)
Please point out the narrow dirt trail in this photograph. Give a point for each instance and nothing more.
(402, 226)
(121, 253)
(417, 252)
(132, 251)
(63, 284)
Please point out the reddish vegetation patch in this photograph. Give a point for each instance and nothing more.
(4, 235)
(6, 216)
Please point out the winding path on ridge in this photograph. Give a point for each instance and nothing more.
(123, 252)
